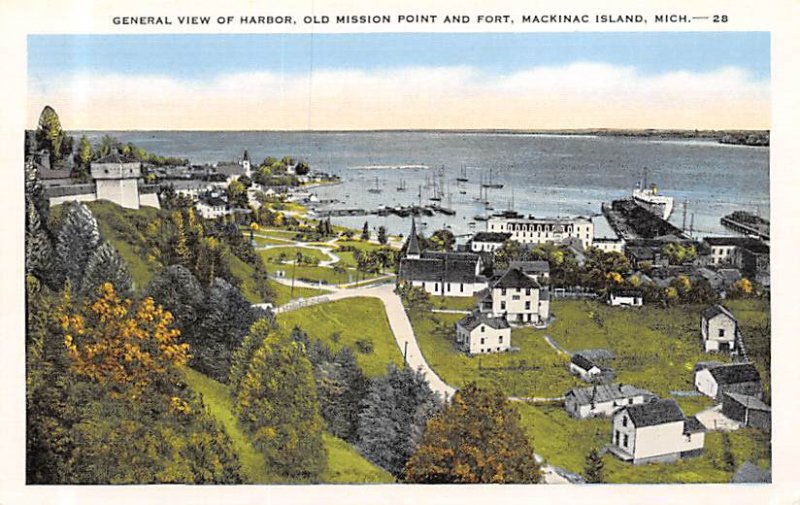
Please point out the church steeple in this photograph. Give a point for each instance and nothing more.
(413, 250)
(246, 164)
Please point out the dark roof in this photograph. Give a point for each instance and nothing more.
(626, 292)
(693, 425)
(655, 412)
(749, 243)
(606, 392)
(716, 310)
(735, 374)
(488, 236)
(72, 189)
(413, 242)
(513, 278)
(229, 169)
(114, 158)
(476, 319)
(582, 361)
(750, 402)
(529, 267)
(441, 269)
(214, 201)
(750, 473)
(49, 173)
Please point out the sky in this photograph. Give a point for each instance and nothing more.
(399, 81)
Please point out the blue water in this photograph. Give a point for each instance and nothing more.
(549, 174)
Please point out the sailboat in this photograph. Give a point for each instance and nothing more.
(377, 188)
(491, 183)
(463, 177)
(402, 186)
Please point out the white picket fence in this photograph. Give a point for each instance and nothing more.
(301, 303)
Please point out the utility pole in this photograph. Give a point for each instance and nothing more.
(294, 269)
(405, 354)
(684, 215)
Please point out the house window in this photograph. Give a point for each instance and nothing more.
(515, 297)
(502, 305)
(527, 305)
(482, 340)
(625, 441)
(503, 292)
(624, 419)
(630, 401)
(436, 287)
(448, 287)
(616, 438)
(483, 329)
(722, 332)
(462, 287)
(527, 291)
(500, 339)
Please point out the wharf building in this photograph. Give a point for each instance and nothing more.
(541, 230)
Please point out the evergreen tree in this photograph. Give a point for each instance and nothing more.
(38, 248)
(106, 265)
(77, 241)
(180, 248)
(365, 231)
(277, 403)
(593, 469)
(393, 417)
(50, 135)
(178, 291)
(382, 238)
(243, 355)
(354, 389)
(228, 317)
(476, 438)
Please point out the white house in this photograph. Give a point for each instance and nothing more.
(212, 207)
(625, 298)
(603, 399)
(480, 333)
(607, 244)
(519, 298)
(441, 273)
(584, 368)
(485, 241)
(654, 432)
(715, 381)
(533, 230)
(718, 328)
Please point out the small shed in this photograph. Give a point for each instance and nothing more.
(748, 410)
(584, 368)
(742, 378)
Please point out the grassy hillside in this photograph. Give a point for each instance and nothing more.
(345, 464)
(344, 322)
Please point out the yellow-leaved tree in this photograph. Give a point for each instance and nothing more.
(121, 344)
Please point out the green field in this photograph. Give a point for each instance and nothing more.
(283, 294)
(352, 319)
(536, 370)
(345, 465)
(453, 302)
(263, 241)
(290, 253)
(564, 442)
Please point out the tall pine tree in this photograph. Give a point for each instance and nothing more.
(77, 241)
(106, 265)
(593, 469)
(178, 291)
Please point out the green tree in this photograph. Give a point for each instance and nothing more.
(38, 247)
(237, 194)
(593, 468)
(51, 136)
(77, 240)
(228, 317)
(302, 168)
(511, 250)
(243, 355)
(365, 231)
(476, 438)
(277, 403)
(106, 265)
(441, 240)
(84, 157)
(382, 238)
(393, 417)
(179, 292)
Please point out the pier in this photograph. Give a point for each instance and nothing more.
(747, 224)
(631, 221)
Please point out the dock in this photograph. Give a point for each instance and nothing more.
(747, 224)
(631, 222)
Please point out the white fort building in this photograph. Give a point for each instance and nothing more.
(540, 230)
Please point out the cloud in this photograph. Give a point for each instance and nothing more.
(579, 95)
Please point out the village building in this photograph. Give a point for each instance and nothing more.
(441, 273)
(655, 432)
(748, 254)
(584, 368)
(719, 329)
(541, 230)
(487, 241)
(517, 297)
(480, 333)
(748, 410)
(538, 270)
(742, 378)
(212, 207)
(603, 399)
(625, 298)
(608, 244)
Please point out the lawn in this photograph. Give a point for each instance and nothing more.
(564, 442)
(655, 348)
(283, 294)
(273, 254)
(345, 464)
(343, 322)
(262, 240)
(453, 302)
(536, 370)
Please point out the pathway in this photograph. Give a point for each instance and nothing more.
(556, 346)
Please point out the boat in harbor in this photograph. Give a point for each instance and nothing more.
(377, 188)
(402, 186)
(491, 184)
(463, 176)
(650, 200)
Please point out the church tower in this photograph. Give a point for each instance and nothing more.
(413, 250)
(246, 164)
